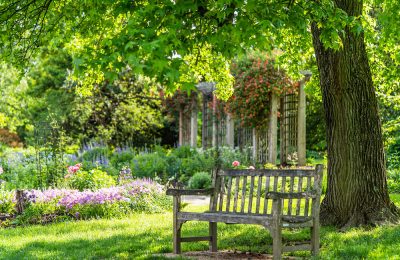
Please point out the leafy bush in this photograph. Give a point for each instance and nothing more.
(92, 180)
(149, 165)
(7, 202)
(200, 180)
(121, 158)
(228, 155)
(393, 181)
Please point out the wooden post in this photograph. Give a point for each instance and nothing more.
(283, 158)
(180, 142)
(301, 125)
(204, 124)
(193, 123)
(176, 225)
(277, 229)
(21, 200)
(255, 144)
(230, 131)
(273, 130)
(214, 121)
(315, 210)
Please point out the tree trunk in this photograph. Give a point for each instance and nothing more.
(357, 191)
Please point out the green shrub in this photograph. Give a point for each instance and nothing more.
(228, 155)
(201, 162)
(184, 152)
(96, 154)
(90, 180)
(105, 210)
(7, 203)
(393, 181)
(200, 180)
(149, 165)
(40, 212)
(120, 159)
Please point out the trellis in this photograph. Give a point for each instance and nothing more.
(218, 129)
(49, 143)
(288, 128)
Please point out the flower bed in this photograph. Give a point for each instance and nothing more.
(60, 204)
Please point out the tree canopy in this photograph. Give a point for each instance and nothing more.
(177, 43)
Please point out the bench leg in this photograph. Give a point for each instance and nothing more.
(277, 242)
(177, 237)
(315, 240)
(213, 235)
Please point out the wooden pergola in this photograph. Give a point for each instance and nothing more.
(223, 130)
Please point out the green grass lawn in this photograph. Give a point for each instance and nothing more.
(142, 236)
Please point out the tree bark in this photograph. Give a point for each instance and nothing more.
(357, 191)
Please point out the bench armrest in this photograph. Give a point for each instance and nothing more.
(180, 192)
(292, 195)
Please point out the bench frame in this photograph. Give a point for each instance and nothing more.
(273, 221)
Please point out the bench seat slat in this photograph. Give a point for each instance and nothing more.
(241, 218)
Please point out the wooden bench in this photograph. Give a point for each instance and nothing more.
(271, 198)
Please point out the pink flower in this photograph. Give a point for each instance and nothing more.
(251, 168)
(1, 170)
(235, 163)
(75, 168)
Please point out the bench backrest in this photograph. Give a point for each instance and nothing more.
(250, 191)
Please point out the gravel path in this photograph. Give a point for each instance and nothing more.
(196, 200)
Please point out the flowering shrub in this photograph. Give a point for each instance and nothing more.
(136, 196)
(73, 169)
(255, 79)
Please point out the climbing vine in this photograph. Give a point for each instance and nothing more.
(256, 78)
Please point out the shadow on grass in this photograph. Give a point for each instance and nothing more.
(376, 243)
(145, 245)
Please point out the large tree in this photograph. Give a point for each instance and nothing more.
(151, 38)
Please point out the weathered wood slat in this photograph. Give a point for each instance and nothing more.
(297, 225)
(269, 172)
(195, 239)
(299, 189)
(180, 192)
(290, 199)
(294, 195)
(276, 179)
(303, 247)
(259, 187)
(306, 206)
(228, 195)
(243, 200)
(222, 193)
(235, 198)
(283, 188)
(267, 182)
(249, 210)
(237, 218)
(214, 197)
